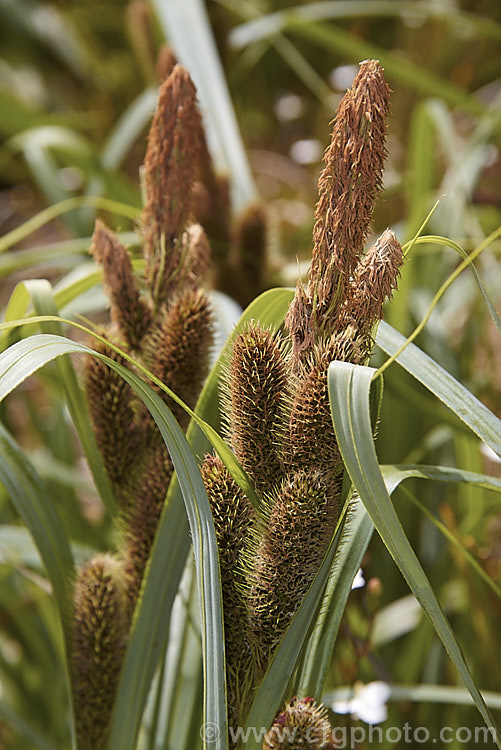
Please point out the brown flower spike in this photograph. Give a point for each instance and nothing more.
(100, 627)
(129, 311)
(233, 517)
(348, 187)
(170, 168)
(257, 383)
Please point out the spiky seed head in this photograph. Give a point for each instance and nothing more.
(111, 404)
(310, 441)
(348, 187)
(99, 638)
(301, 724)
(289, 554)
(256, 387)
(148, 490)
(129, 311)
(178, 346)
(374, 281)
(233, 516)
(298, 323)
(170, 167)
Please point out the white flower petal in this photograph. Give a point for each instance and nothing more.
(359, 580)
(342, 707)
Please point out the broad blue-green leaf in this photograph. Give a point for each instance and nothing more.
(349, 387)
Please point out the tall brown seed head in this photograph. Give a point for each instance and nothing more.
(233, 516)
(100, 627)
(257, 382)
(177, 349)
(111, 404)
(374, 280)
(288, 556)
(348, 187)
(130, 313)
(170, 167)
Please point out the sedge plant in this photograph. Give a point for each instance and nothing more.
(278, 499)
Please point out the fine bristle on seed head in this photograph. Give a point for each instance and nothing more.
(301, 724)
(99, 639)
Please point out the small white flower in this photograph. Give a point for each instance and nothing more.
(359, 580)
(368, 702)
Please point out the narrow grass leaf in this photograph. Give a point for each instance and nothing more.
(455, 696)
(17, 363)
(186, 25)
(355, 539)
(349, 388)
(29, 496)
(454, 395)
(268, 25)
(41, 293)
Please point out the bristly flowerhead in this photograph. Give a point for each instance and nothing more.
(287, 558)
(348, 187)
(374, 280)
(233, 516)
(130, 313)
(302, 724)
(310, 441)
(170, 167)
(148, 488)
(110, 401)
(257, 382)
(100, 627)
(178, 347)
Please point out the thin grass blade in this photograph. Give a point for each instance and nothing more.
(349, 388)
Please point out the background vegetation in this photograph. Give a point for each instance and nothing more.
(78, 83)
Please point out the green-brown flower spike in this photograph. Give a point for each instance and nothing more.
(170, 167)
(257, 383)
(147, 490)
(129, 311)
(348, 187)
(374, 281)
(233, 517)
(301, 725)
(177, 349)
(293, 544)
(110, 401)
(100, 627)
